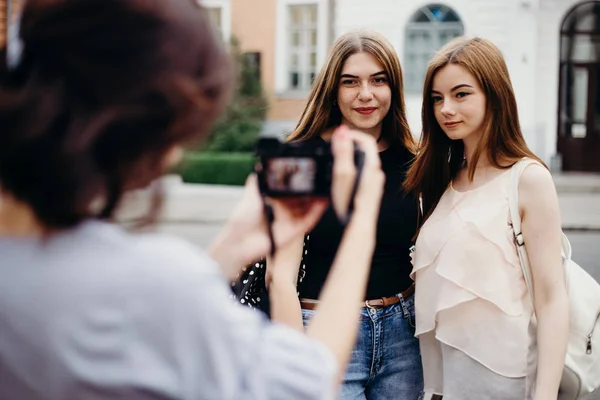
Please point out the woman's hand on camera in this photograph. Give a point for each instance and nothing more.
(282, 270)
(245, 237)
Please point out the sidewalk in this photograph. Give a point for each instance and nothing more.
(579, 198)
(185, 203)
(575, 182)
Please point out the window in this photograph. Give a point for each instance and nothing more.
(429, 29)
(579, 114)
(302, 45)
(219, 12)
(215, 15)
(303, 34)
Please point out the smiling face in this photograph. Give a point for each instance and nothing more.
(459, 104)
(364, 95)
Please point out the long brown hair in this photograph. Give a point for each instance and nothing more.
(439, 158)
(320, 113)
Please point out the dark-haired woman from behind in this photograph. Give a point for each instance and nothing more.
(96, 98)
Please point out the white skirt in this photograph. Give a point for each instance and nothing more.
(464, 378)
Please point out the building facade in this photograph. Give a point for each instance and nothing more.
(552, 48)
(8, 8)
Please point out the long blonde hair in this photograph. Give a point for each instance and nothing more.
(320, 113)
(439, 158)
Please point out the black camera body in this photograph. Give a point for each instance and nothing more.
(294, 169)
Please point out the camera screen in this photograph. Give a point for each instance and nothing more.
(291, 174)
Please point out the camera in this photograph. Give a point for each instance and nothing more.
(301, 168)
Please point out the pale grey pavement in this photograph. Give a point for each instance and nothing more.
(197, 212)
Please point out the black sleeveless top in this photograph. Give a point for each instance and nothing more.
(397, 224)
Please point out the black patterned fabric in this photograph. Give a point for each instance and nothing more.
(249, 288)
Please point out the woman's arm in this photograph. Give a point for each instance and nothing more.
(335, 324)
(282, 281)
(336, 320)
(542, 234)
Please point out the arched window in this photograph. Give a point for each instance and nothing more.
(579, 106)
(580, 59)
(430, 28)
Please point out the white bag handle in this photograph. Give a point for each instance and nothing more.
(515, 217)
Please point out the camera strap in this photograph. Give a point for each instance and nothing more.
(344, 220)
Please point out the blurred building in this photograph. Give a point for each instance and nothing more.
(552, 48)
(7, 8)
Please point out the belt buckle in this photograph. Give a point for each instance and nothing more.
(375, 307)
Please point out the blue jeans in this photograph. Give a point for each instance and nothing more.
(386, 361)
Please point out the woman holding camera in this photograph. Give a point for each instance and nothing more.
(361, 86)
(96, 98)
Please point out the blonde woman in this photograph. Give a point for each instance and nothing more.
(481, 337)
(361, 86)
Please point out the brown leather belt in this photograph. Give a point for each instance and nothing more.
(309, 304)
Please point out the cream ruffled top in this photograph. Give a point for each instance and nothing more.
(470, 291)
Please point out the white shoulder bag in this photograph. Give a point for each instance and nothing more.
(581, 374)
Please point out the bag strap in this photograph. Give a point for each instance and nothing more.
(515, 217)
